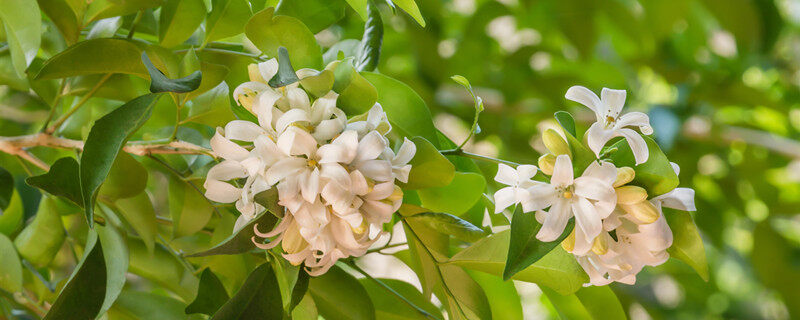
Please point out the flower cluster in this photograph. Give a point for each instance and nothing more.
(334, 177)
(617, 229)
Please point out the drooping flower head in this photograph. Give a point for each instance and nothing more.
(336, 180)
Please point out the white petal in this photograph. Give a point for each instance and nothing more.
(595, 189)
(370, 147)
(226, 170)
(268, 69)
(597, 136)
(297, 142)
(378, 170)
(309, 186)
(679, 198)
(226, 148)
(358, 183)
(583, 96)
(381, 191)
(284, 168)
(504, 198)
(221, 192)
(634, 119)
(637, 143)
(586, 218)
(614, 100)
(251, 87)
(327, 129)
(240, 222)
(562, 171)
(402, 173)
(243, 130)
(605, 171)
(526, 171)
(506, 175)
(405, 153)
(290, 117)
(298, 99)
(676, 168)
(337, 174)
(554, 221)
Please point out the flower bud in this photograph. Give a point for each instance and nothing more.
(555, 143)
(643, 211)
(255, 74)
(631, 194)
(569, 242)
(546, 163)
(292, 241)
(624, 175)
(600, 245)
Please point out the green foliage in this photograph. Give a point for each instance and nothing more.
(39, 241)
(449, 224)
(687, 245)
(93, 57)
(338, 296)
(587, 303)
(160, 83)
(369, 50)
(268, 32)
(21, 20)
(464, 190)
(227, 18)
(211, 295)
(11, 268)
(656, 174)
(179, 19)
(62, 180)
(429, 169)
(259, 298)
(241, 240)
(524, 249)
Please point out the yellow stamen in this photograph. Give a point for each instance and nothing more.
(311, 162)
(631, 194)
(624, 175)
(567, 195)
(361, 228)
(396, 195)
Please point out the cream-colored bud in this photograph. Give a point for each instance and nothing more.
(292, 241)
(569, 242)
(546, 163)
(643, 211)
(255, 74)
(396, 195)
(631, 194)
(600, 245)
(624, 175)
(555, 143)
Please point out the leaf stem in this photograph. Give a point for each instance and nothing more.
(54, 104)
(390, 290)
(135, 23)
(460, 152)
(77, 105)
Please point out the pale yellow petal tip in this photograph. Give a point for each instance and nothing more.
(555, 143)
(546, 163)
(600, 245)
(631, 194)
(643, 211)
(624, 176)
(569, 242)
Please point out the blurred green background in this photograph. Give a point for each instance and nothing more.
(719, 79)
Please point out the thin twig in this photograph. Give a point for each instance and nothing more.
(462, 153)
(13, 145)
(390, 290)
(77, 105)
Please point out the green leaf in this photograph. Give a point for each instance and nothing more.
(62, 180)
(188, 207)
(141, 215)
(115, 254)
(126, 179)
(95, 56)
(306, 310)
(410, 7)
(450, 225)
(101, 9)
(369, 51)
(582, 157)
(105, 140)
(687, 245)
(469, 296)
(268, 32)
(211, 295)
(161, 268)
(456, 198)
(316, 14)
(404, 106)
(557, 270)
(40, 241)
(178, 21)
(356, 94)
(227, 18)
(319, 84)
(160, 83)
(11, 268)
(505, 302)
(212, 108)
(240, 242)
(213, 76)
(389, 307)
(63, 16)
(587, 303)
(11, 217)
(656, 174)
(429, 168)
(360, 6)
(566, 121)
(145, 305)
(286, 74)
(6, 188)
(339, 296)
(23, 31)
(258, 298)
(524, 249)
(105, 28)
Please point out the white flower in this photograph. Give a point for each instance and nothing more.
(589, 198)
(376, 119)
(610, 123)
(518, 181)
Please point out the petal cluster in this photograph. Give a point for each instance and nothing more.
(336, 179)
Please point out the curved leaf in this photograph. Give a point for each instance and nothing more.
(127, 178)
(83, 295)
(524, 249)
(64, 17)
(139, 213)
(456, 198)
(410, 7)
(258, 298)
(6, 188)
(62, 180)
(160, 83)
(450, 225)
(369, 51)
(656, 174)
(241, 241)
(404, 106)
(189, 208)
(687, 245)
(40, 241)
(429, 168)
(211, 295)
(11, 217)
(95, 56)
(286, 74)
(339, 296)
(23, 31)
(316, 14)
(566, 121)
(227, 19)
(11, 268)
(390, 307)
(268, 32)
(178, 21)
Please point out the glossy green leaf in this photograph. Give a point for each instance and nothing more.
(178, 20)
(101, 9)
(41, 239)
(268, 32)
(656, 174)
(356, 94)
(105, 140)
(11, 217)
(160, 83)
(306, 310)
(687, 245)
(389, 307)
(429, 168)
(450, 225)
(360, 6)
(141, 215)
(404, 106)
(587, 303)
(369, 52)
(339, 296)
(524, 249)
(64, 17)
(456, 198)
(83, 295)
(105, 28)
(504, 300)
(581, 156)
(23, 31)
(211, 295)
(144, 305)
(410, 7)
(227, 18)
(93, 57)
(319, 84)
(62, 180)
(258, 298)
(115, 254)
(189, 208)
(6, 188)
(286, 74)
(162, 269)
(126, 179)
(557, 270)
(315, 14)
(213, 76)
(241, 241)
(11, 268)
(566, 121)
(469, 299)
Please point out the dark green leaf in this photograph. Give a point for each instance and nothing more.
(188, 207)
(339, 296)
(524, 249)
(566, 121)
(63, 16)
(160, 83)
(211, 295)
(286, 74)
(268, 32)
(6, 188)
(370, 48)
(95, 56)
(241, 241)
(62, 180)
(389, 307)
(145, 305)
(300, 288)
(258, 298)
(105, 140)
(450, 225)
(656, 174)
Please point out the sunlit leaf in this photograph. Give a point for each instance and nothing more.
(41, 239)
(316, 14)
(227, 18)
(11, 268)
(23, 31)
(656, 174)
(460, 195)
(140, 214)
(524, 249)
(93, 57)
(179, 19)
(687, 245)
(269, 32)
(126, 179)
(429, 169)
(388, 306)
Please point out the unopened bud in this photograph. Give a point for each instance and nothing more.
(624, 175)
(546, 163)
(292, 241)
(555, 143)
(643, 211)
(396, 195)
(631, 194)
(255, 74)
(569, 242)
(600, 245)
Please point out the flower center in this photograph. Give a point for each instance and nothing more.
(610, 121)
(311, 163)
(566, 192)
